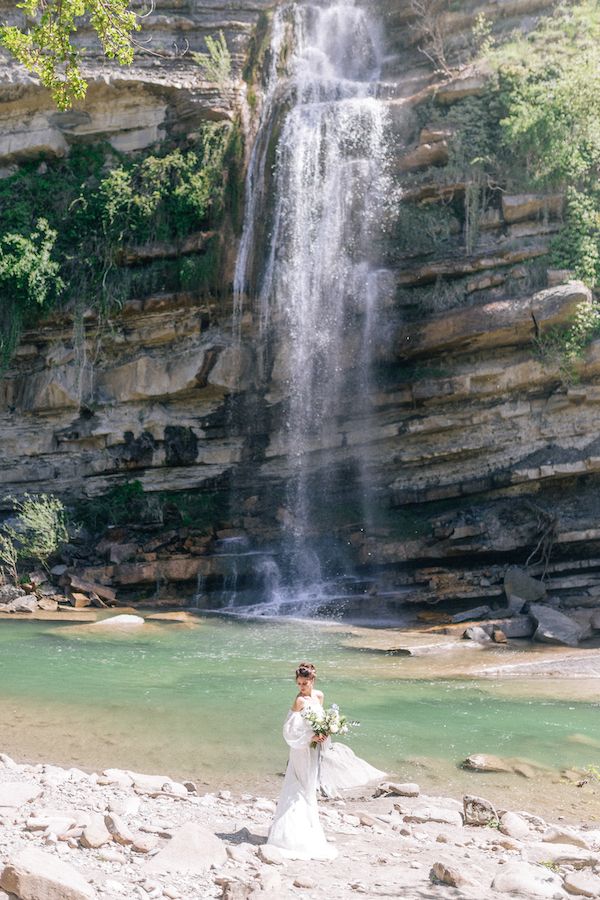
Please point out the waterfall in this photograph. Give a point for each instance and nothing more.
(314, 283)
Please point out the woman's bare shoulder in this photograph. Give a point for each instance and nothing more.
(298, 704)
(319, 695)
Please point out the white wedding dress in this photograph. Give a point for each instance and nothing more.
(331, 768)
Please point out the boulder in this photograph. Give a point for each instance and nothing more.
(553, 627)
(562, 855)
(514, 825)
(478, 811)
(582, 884)
(25, 603)
(521, 878)
(518, 584)
(35, 875)
(9, 592)
(560, 835)
(48, 603)
(193, 849)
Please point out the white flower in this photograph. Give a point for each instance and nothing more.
(334, 728)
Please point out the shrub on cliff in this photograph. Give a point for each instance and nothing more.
(35, 533)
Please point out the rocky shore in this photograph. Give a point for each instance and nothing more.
(69, 835)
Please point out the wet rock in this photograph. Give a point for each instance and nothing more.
(192, 849)
(553, 627)
(36, 875)
(485, 762)
(478, 811)
(522, 878)
(498, 636)
(122, 621)
(477, 634)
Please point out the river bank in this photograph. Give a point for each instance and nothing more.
(120, 834)
(120, 694)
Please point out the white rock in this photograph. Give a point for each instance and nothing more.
(514, 826)
(407, 789)
(128, 806)
(521, 878)
(582, 884)
(271, 855)
(562, 855)
(421, 814)
(14, 794)
(118, 829)
(96, 834)
(36, 875)
(192, 849)
(122, 621)
(558, 835)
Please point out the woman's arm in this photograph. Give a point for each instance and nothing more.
(299, 704)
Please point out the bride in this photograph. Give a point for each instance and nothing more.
(296, 829)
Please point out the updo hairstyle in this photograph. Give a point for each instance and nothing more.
(306, 670)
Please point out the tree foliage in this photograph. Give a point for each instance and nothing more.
(46, 46)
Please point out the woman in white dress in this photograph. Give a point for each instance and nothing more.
(296, 829)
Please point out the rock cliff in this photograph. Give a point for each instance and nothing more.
(479, 452)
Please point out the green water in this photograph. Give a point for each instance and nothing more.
(208, 701)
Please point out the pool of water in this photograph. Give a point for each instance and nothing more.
(205, 700)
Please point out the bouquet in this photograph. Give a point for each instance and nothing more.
(331, 721)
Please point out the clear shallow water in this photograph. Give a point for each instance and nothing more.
(206, 701)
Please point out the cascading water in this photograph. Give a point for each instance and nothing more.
(319, 289)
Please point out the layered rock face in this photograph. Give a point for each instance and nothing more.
(475, 452)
